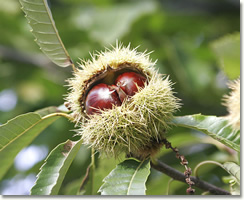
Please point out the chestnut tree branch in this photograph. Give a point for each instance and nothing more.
(176, 175)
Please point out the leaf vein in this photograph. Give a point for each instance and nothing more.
(26, 130)
(132, 178)
(28, 2)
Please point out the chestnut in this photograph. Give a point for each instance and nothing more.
(102, 97)
(129, 82)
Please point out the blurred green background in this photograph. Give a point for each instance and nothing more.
(179, 34)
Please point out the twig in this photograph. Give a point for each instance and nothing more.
(175, 174)
(183, 162)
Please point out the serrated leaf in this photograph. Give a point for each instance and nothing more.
(128, 178)
(227, 50)
(18, 133)
(40, 18)
(55, 167)
(233, 169)
(105, 166)
(216, 127)
(235, 189)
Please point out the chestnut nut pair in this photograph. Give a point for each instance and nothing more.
(103, 96)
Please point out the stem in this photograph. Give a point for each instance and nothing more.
(92, 167)
(205, 193)
(169, 183)
(73, 67)
(61, 115)
(175, 174)
(89, 176)
(203, 163)
(183, 162)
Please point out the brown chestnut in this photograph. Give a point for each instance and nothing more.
(129, 82)
(102, 97)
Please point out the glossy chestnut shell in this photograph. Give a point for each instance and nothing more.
(129, 82)
(103, 96)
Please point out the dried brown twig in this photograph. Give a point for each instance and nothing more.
(186, 176)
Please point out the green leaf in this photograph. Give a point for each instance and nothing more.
(235, 188)
(128, 178)
(40, 18)
(234, 180)
(18, 133)
(55, 167)
(216, 127)
(227, 50)
(233, 169)
(105, 166)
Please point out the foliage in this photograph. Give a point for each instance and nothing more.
(216, 127)
(53, 171)
(18, 133)
(234, 170)
(197, 46)
(45, 31)
(128, 178)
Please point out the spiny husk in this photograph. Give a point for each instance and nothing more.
(136, 124)
(99, 63)
(232, 102)
(139, 124)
